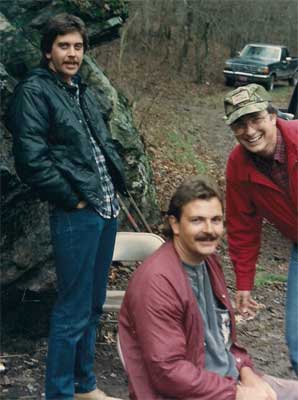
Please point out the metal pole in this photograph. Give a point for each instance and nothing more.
(138, 211)
(128, 215)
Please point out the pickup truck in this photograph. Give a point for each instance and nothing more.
(261, 63)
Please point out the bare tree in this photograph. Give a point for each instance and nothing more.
(195, 36)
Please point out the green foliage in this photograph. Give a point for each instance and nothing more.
(181, 150)
(93, 11)
(263, 278)
(119, 5)
(84, 7)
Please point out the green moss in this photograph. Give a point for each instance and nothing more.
(181, 150)
(93, 11)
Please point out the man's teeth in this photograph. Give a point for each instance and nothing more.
(255, 139)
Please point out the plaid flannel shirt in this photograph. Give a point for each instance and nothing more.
(108, 205)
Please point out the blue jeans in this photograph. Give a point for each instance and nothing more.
(292, 309)
(83, 244)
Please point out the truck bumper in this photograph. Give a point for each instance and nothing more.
(245, 76)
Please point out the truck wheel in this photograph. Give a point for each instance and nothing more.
(230, 82)
(270, 83)
(293, 81)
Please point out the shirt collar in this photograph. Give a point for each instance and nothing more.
(279, 152)
(280, 149)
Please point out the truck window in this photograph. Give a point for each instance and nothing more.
(272, 53)
(284, 54)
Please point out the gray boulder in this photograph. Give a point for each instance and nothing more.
(25, 239)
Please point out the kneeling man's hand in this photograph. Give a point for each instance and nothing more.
(245, 304)
(254, 387)
(255, 393)
(81, 204)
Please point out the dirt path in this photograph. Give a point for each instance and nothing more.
(184, 134)
(200, 115)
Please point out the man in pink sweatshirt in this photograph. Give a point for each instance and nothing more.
(177, 326)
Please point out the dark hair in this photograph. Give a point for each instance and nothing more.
(61, 24)
(271, 109)
(193, 188)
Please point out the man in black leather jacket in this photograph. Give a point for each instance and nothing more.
(64, 152)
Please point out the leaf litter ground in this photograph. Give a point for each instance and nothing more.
(184, 134)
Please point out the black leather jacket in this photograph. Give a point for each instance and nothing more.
(51, 146)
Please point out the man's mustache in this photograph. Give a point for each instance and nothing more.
(206, 237)
(71, 62)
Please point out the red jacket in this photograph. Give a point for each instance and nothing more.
(250, 197)
(161, 333)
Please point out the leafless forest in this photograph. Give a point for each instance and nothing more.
(168, 62)
(193, 37)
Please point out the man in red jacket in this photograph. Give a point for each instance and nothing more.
(176, 325)
(262, 179)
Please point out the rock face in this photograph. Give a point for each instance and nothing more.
(25, 240)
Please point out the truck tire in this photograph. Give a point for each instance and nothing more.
(294, 79)
(270, 83)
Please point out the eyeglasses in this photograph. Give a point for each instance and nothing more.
(255, 121)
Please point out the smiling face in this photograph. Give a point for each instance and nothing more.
(198, 231)
(257, 132)
(66, 55)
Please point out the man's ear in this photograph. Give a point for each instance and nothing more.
(174, 224)
(48, 56)
(273, 118)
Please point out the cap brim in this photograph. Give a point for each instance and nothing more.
(248, 109)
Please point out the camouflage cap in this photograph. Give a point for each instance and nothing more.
(245, 100)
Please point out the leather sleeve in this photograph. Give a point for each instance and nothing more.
(241, 357)
(159, 328)
(28, 120)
